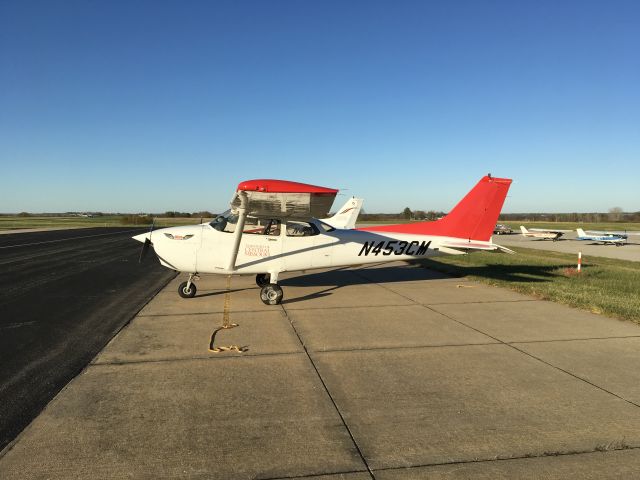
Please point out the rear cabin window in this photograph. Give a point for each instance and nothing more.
(301, 229)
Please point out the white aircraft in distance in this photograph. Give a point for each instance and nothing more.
(617, 240)
(542, 233)
(273, 227)
(624, 234)
(347, 215)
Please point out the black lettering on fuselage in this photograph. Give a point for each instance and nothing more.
(378, 248)
(366, 248)
(388, 250)
(396, 247)
(412, 244)
(423, 248)
(402, 245)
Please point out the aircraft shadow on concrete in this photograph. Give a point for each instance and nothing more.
(512, 273)
(363, 276)
(219, 292)
(421, 271)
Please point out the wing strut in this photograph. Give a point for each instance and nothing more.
(237, 235)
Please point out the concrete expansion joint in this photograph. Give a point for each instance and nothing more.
(514, 347)
(525, 300)
(614, 446)
(326, 389)
(347, 307)
(406, 347)
(582, 339)
(190, 314)
(195, 357)
(316, 476)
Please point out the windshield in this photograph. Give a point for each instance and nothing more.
(227, 221)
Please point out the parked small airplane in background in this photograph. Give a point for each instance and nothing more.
(624, 234)
(542, 233)
(347, 215)
(273, 227)
(617, 240)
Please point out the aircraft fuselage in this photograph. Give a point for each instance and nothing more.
(203, 249)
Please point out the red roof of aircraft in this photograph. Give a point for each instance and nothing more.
(282, 186)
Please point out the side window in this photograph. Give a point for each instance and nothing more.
(301, 229)
(262, 227)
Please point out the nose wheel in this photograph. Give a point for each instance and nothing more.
(271, 294)
(188, 289)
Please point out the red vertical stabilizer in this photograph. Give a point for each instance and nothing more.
(473, 218)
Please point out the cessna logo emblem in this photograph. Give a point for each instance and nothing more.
(178, 237)
(395, 247)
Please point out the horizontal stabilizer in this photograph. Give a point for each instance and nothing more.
(473, 246)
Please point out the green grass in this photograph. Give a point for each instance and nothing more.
(607, 286)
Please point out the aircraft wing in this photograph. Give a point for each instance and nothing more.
(462, 247)
(282, 199)
(546, 230)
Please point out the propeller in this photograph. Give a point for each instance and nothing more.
(147, 243)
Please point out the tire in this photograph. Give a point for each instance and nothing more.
(184, 293)
(271, 294)
(262, 279)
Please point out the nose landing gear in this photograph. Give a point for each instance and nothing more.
(188, 289)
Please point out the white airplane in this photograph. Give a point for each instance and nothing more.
(346, 216)
(273, 227)
(617, 240)
(542, 233)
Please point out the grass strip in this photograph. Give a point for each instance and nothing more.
(606, 286)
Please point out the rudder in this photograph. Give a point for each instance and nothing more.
(473, 218)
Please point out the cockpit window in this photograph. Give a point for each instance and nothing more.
(227, 221)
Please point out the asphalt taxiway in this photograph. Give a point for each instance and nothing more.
(385, 372)
(568, 244)
(63, 295)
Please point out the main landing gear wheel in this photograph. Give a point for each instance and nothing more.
(262, 279)
(271, 294)
(185, 292)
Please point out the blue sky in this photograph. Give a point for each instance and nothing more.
(154, 106)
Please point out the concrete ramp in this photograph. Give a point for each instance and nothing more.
(386, 372)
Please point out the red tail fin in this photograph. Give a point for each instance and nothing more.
(473, 218)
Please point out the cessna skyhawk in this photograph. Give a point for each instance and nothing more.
(544, 234)
(273, 227)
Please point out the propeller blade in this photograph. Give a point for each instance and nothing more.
(147, 242)
(145, 249)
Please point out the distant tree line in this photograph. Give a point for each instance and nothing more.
(615, 214)
(202, 214)
(406, 214)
